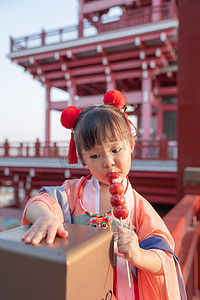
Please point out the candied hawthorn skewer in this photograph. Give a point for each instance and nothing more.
(120, 212)
(116, 188)
(117, 200)
(114, 177)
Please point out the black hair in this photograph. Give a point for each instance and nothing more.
(100, 123)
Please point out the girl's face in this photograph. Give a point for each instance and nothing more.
(109, 157)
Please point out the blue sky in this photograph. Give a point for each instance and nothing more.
(22, 114)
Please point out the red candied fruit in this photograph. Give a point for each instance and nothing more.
(116, 188)
(120, 212)
(113, 175)
(117, 200)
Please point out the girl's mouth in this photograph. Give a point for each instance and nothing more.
(114, 177)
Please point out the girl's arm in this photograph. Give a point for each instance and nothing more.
(146, 260)
(45, 223)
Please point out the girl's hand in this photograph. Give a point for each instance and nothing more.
(128, 245)
(45, 226)
(146, 260)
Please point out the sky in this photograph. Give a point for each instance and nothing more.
(22, 99)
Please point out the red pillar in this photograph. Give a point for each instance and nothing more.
(146, 112)
(159, 133)
(6, 148)
(48, 123)
(110, 85)
(81, 18)
(16, 195)
(72, 92)
(156, 15)
(146, 107)
(138, 114)
(188, 89)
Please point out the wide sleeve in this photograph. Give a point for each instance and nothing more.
(163, 287)
(151, 287)
(148, 222)
(65, 196)
(43, 197)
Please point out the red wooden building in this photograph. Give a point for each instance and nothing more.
(134, 50)
(126, 45)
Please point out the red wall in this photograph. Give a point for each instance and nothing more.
(189, 88)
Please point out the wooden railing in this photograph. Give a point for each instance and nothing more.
(183, 222)
(152, 149)
(140, 16)
(135, 17)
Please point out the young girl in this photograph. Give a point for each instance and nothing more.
(104, 142)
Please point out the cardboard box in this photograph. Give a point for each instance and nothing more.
(77, 268)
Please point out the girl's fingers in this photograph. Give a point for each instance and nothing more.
(33, 236)
(26, 233)
(126, 239)
(62, 232)
(37, 238)
(53, 231)
(28, 239)
(127, 242)
(49, 227)
(51, 234)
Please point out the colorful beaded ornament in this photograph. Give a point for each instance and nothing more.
(97, 220)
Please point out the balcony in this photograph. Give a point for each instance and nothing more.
(131, 18)
(164, 149)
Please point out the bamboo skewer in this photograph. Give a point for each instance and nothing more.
(127, 266)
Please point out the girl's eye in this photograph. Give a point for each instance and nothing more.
(94, 156)
(116, 150)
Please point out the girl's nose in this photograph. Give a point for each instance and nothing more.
(108, 161)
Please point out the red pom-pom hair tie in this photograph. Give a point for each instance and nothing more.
(68, 120)
(69, 117)
(117, 99)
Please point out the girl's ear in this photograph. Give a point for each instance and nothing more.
(132, 144)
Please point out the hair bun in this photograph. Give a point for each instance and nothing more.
(115, 98)
(69, 116)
